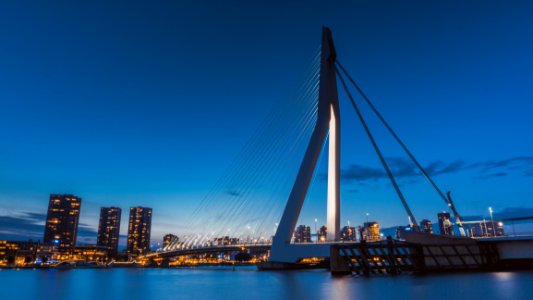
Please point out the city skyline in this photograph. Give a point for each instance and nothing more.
(119, 105)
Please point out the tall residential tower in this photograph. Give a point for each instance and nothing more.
(139, 228)
(62, 221)
(109, 228)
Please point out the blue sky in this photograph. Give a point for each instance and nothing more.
(132, 103)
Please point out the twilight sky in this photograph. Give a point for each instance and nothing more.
(146, 103)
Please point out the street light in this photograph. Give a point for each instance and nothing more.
(367, 214)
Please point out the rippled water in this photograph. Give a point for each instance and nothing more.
(247, 283)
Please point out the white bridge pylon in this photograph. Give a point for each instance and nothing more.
(328, 120)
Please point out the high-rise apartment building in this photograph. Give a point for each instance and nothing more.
(139, 228)
(62, 221)
(109, 229)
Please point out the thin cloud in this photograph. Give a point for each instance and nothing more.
(506, 213)
(233, 193)
(518, 162)
(404, 168)
(30, 225)
(491, 175)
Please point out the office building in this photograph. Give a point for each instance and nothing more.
(91, 253)
(348, 234)
(169, 239)
(17, 253)
(224, 241)
(487, 229)
(302, 234)
(62, 222)
(139, 228)
(322, 234)
(370, 232)
(445, 223)
(109, 229)
(426, 226)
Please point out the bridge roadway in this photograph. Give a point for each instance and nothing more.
(206, 250)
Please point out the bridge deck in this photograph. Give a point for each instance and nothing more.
(206, 250)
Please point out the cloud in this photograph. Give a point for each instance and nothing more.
(404, 168)
(506, 213)
(400, 168)
(233, 193)
(30, 225)
(20, 227)
(514, 212)
(514, 163)
(486, 176)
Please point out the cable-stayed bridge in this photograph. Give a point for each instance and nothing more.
(244, 207)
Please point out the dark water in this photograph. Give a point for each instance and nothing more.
(247, 283)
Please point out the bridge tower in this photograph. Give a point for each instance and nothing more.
(328, 120)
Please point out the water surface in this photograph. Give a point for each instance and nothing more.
(248, 283)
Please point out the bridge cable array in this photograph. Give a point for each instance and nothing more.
(447, 200)
(378, 152)
(247, 200)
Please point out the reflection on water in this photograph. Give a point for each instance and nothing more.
(247, 283)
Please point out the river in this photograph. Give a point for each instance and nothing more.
(248, 283)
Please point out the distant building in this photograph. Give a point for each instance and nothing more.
(348, 234)
(139, 228)
(400, 231)
(426, 226)
(226, 240)
(302, 234)
(169, 239)
(109, 229)
(370, 232)
(487, 229)
(322, 234)
(62, 222)
(18, 253)
(46, 254)
(91, 253)
(445, 223)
